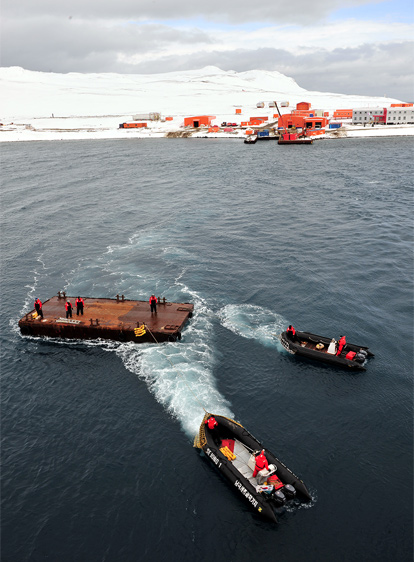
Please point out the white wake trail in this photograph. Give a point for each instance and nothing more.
(254, 322)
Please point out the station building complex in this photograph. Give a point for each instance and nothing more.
(396, 114)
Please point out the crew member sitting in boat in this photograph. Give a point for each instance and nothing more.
(291, 333)
(341, 345)
(211, 422)
(264, 474)
(261, 463)
(332, 347)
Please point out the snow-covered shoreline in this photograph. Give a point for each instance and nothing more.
(50, 107)
(78, 130)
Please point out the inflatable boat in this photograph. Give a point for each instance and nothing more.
(232, 450)
(324, 349)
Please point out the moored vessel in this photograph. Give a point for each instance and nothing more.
(293, 138)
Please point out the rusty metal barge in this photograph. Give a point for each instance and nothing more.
(118, 319)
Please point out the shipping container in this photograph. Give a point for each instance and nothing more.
(335, 125)
(238, 111)
(132, 125)
(264, 133)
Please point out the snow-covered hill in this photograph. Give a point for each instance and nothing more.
(54, 104)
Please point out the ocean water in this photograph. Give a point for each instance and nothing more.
(97, 456)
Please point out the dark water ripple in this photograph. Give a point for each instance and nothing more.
(97, 458)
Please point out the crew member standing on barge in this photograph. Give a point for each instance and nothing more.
(153, 303)
(261, 463)
(68, 307)
(38, 307)
(79, 306)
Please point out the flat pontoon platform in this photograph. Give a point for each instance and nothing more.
(117, 319)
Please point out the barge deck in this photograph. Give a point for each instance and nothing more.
(116, 319)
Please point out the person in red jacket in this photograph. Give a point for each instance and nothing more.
(341, 345)
(153, 304)
(38, 307)
(79, 306)
(68, 307)
(291, 333)
(261, 463)
(211, 422)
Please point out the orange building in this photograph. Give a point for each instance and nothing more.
(257, 121)
(303, 106)
(198, 121)
(293, 120)
(342, 114)
(402, 104)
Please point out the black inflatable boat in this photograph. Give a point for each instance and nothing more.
(231, 448)
(317, 347)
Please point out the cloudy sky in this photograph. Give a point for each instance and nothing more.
(348, 46)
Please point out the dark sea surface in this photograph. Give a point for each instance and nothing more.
(97, 452)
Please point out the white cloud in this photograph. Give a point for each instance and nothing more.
(298, 40)
(231, 11)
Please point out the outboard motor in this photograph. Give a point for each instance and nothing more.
(289, 491)
(360, 357)
(279, 498)
(363, 352)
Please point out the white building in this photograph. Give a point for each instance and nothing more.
(398, 115)
(367, 115)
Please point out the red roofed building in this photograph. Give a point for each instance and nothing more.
(198, 121)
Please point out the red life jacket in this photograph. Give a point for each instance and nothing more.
(39, 303)
(68, 306)
(153, 300)
(291, 331)
(261, 462)
(79, 301)
(211, 422)
(341, 345)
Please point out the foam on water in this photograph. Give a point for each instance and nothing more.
(254, 322)
(179, 375)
